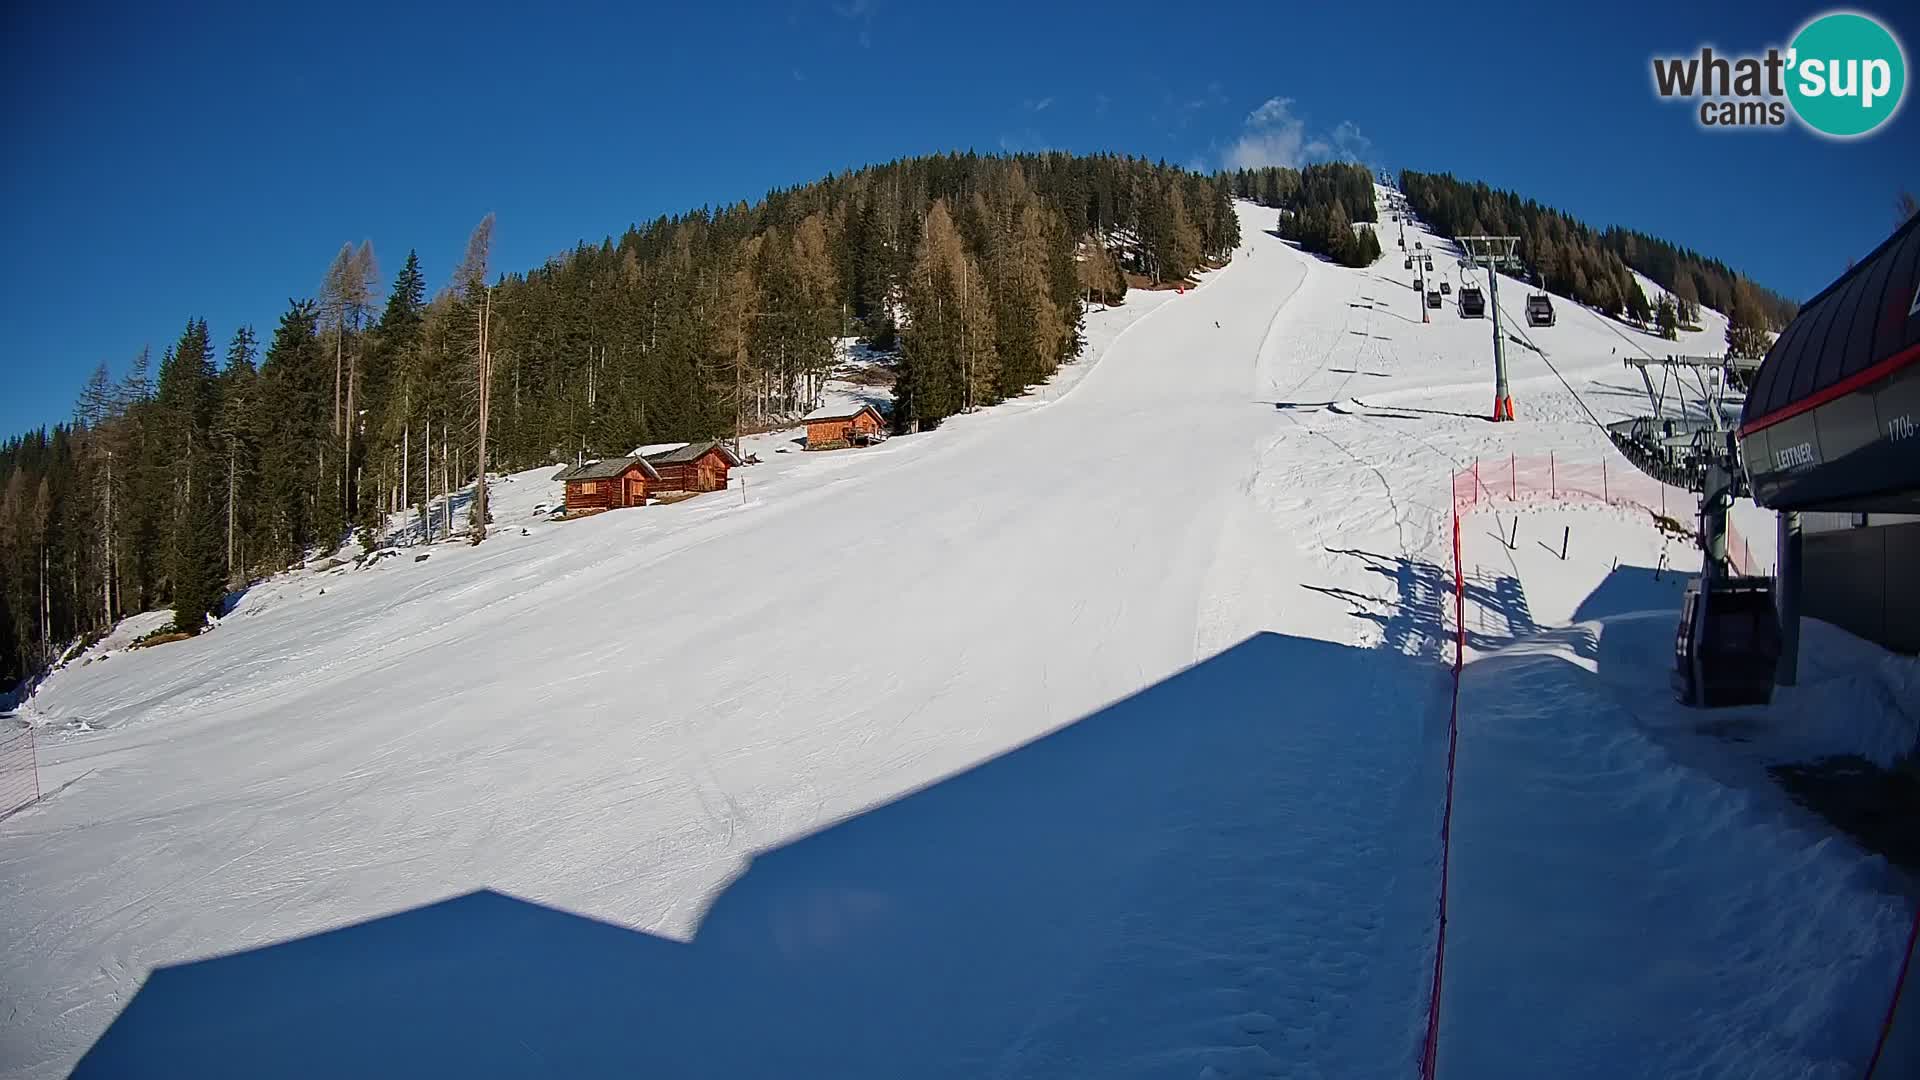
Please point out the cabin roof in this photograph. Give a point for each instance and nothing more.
(605, 469)
(839, 412)
(691, 453)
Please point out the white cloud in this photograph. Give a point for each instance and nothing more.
(1275, 135)
(1352, 145)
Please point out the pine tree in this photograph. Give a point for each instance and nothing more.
(818, 318)
(188, 401)
(1747, 336)
(1666, 318)
(873, 272)
(1099, 273)
(1636, 299)
(237, 439)
(1028, 327)
(1339, 241)
(1686, 302)
(947, 344)
(405, 302)
(293, 408)
(473, 302)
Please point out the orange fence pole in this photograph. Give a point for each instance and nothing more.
(1899, 984)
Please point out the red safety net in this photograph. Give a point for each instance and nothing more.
(1552, 479)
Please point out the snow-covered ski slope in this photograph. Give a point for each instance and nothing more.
(1098, 733)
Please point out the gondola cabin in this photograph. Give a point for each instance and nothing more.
(834, 427)
(696, 466)
(1728, 643)
(609, 484)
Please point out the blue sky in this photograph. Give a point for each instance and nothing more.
(161, 166)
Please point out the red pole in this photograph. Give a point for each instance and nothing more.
(1553, 478)
(1459, 601)
(1899, 983)
(1513, 476)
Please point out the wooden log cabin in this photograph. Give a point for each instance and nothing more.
(835, 427)
(697, 466)
(609, 484)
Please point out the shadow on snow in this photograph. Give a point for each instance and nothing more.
(1232, 865)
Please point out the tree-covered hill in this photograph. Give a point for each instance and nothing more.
(170, 484)
(1574, 259)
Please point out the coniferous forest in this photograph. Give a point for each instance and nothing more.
(1319, 207)
(1591, 265)
(238, 453)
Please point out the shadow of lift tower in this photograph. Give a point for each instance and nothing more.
(1496, 253)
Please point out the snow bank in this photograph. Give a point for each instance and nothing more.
(1630, 897)
(1633, 893)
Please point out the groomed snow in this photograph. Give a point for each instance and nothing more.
(1096, 733)
(1631, 892)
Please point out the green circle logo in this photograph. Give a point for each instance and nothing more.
(1846, 74)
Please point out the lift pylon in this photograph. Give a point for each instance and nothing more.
(1496, 253)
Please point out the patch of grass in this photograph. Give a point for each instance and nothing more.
(159, 637)
(869, 375)
(1672, 528)
(1141, 281)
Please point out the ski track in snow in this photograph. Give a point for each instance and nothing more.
(1098, 733)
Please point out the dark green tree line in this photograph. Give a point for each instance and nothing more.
(1592, 266)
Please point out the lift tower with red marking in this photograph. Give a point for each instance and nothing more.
(1496, 253)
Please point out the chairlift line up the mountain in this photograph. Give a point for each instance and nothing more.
(1496, 253)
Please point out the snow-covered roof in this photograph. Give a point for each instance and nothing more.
(652, 449)
(839, 412)
(605, 469)
(691, 452)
